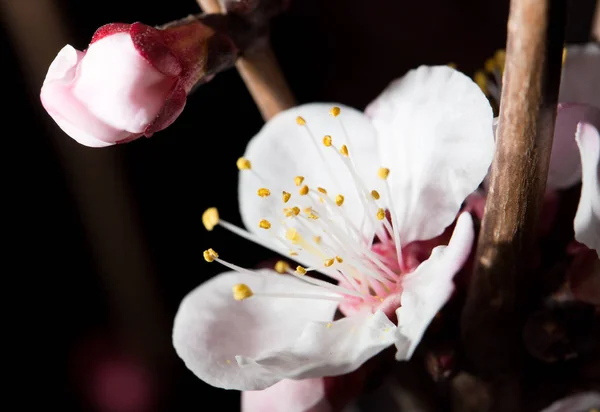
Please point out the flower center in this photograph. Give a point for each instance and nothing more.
(312, 225)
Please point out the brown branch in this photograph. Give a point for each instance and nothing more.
(491, 320)
(260, 71)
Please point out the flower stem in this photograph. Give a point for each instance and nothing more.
(492, 317)
(261, 73)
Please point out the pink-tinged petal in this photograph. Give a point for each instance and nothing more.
(580, 82)
(149, 43)
(428, 288)
(587, 218)
(119, 86)
(436, 135)
(283, 150)
(565, 162)
(580, 402)
(170, 111)
(306, 395)
(108, 29)
(211, 329)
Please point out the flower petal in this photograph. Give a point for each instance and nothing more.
(428, 288)
(579, 402)
(565, 162)
(306, 395)
(587, 218)
(327, 348)
(211, 328)
(283, 150)
(580, 82)
(435, 134)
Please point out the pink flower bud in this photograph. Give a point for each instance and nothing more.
(132, 80)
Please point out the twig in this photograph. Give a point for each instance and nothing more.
(491, 321)
(261, 73)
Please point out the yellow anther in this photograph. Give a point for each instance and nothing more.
(210, 255)
(452, 65)
(317, 240)
(339, 259)
(285, 196)
(380, 214)
(300, 270)
(344, 150)
(210, 218)
(339, 200)
(293, 235)
(329, 325)
(303, 190)
(282, 266)
(300, 120)
(481, 79)
(243, 164)
(298, 180)
(296, 210)
(383, 173)
(327, 141)
(312, 216)
(292, 253)
(264, 224)
(500, 57)
(375, 194)
(264, 192)
(335, 111)
(489, 65)
(328, 262)
(308, 210)
(322, 190)
(564, 55)
(241, 291)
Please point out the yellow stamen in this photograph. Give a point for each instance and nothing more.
(264, 192)
(303, 190)
(335, 111)
(339, 259)
(308, 210)
(500, 57)
(322, 190)
(243, 164)
(285, 196)
(210, 255)
(383, 173)
(339, 200)
(281, 266)
(241, 291)
(298, 180)
(344, 150)
(380, 214)
(264, 224)
(328, 262)
(327, 141)
(300, 270)
(293, 235)
(375, 194)
(210, 218)
(489, 65)
(481, 79)
(312, 216)
(300, 120)
(292, 253)
(317, 240)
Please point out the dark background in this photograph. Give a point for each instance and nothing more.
(107, 241)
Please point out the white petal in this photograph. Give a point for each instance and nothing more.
(584, 402)
(328, 348)
(580, 82)
(306, 395)
(565, 162)
(428, 288)
(435, 134)
(211, 328)
(587, 219)
(283, 150)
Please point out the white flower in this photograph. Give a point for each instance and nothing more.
(316, 183)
